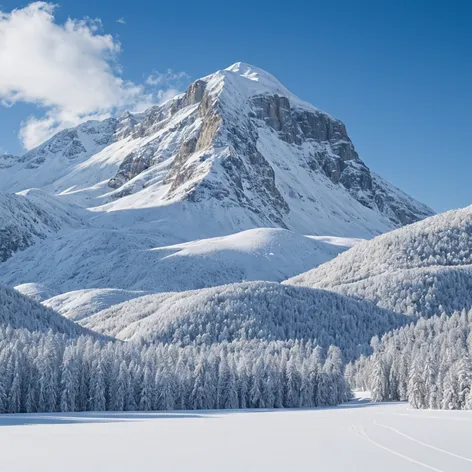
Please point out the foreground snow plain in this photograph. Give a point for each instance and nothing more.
(357, 436)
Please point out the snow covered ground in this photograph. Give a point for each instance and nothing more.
(359, 436)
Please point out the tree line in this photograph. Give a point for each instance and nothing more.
(52, 372)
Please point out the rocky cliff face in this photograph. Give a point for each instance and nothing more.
(218, 151)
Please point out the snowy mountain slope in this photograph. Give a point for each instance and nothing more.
(252, 310)
(7, 160)
(237, 149)
(50, 161)
(137, 260)
(33, 216)
(424, 291)
(255, 155)
(19, 311)
(424, 268)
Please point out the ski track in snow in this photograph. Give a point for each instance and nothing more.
(361, 433)
(421, 442)
(372, 437)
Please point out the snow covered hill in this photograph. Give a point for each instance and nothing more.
(424, 268)
(80, 304)
(137, 260)
(18, 311)
(256, 310)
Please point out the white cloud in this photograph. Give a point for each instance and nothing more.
(169, 77)
(69, 70)
(167, 94)
(121, 20)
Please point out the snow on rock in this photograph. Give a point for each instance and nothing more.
(44, 165)
(424, 268)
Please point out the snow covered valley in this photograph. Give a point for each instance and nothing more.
(386, 437)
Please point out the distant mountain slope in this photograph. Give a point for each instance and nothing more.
(256, 310)
(30, 217)
(138, 260)
(57, 157)
(424, 268)
(19, 311)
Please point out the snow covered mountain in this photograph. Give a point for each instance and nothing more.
(237, 150)
(421, 269)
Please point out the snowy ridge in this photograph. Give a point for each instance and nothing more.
(424, 268)
(81, 304)
(38, 292)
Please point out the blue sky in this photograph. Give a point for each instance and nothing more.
(398, 73)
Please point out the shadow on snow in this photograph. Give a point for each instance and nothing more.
(87, 417)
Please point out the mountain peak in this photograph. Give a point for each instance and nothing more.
(253, 73)
(252, 81)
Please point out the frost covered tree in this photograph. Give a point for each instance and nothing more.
(427, 363)
(55, 372)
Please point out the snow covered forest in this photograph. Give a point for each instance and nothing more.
(427, 363)
(245, 311)
(52, 372)
(423, 269)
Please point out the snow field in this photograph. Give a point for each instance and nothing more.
(355, 437)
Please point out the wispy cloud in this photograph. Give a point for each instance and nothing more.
(168, 77)
(70, 71)
(121, 20)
